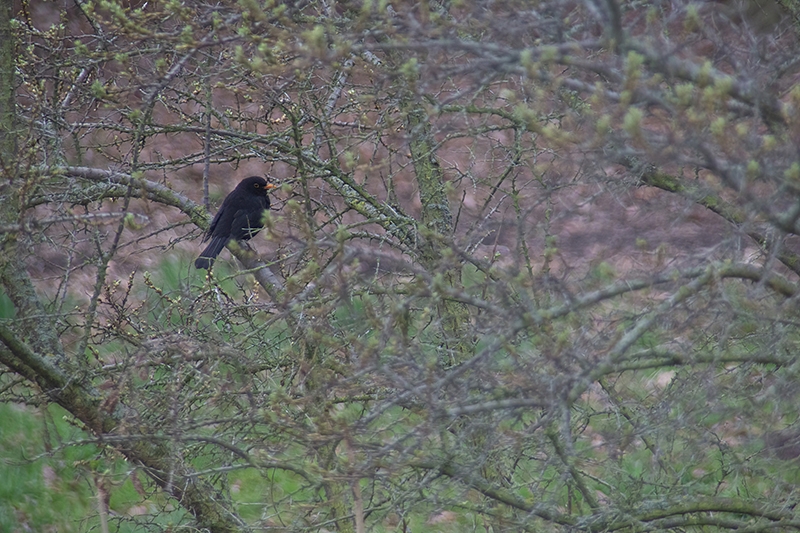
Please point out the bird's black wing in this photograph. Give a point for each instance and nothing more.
(214, 223)
(219, 231)
(239, 217)
(247, 220)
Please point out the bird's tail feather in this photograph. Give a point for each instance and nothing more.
(213, 249)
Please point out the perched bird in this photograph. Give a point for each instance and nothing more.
(239, 217)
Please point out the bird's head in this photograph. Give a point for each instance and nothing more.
(255, 185)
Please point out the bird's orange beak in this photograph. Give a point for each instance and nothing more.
(271, 186)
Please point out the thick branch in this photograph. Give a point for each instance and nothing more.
(713, 202)
(83, 402)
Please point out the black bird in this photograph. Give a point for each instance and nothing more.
(239, 217)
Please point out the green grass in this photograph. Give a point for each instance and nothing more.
(7, 309)
(48, 494)
(681, 418)
(56, 491)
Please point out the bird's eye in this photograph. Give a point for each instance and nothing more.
(256, 185)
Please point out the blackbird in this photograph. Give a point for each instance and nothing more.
(239, 217)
